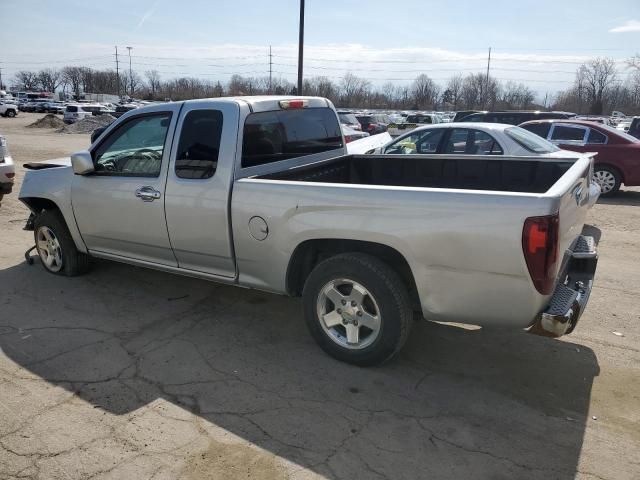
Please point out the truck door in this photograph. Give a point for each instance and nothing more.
(119, 208)
(198, 187)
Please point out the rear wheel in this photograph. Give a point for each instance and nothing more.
(357, 308)
(55, 246)
(608, 178)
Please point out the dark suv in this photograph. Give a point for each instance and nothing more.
(515, 117)
(374, 124)
(634, 128)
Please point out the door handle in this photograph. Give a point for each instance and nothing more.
(147, 194)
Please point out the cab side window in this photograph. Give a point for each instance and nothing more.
(135, 148)
(199, 146)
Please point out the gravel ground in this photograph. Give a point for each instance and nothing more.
(131, 373)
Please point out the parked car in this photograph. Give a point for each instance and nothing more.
(373, 124)
(412, 121)
(351, 134)
(595, 119)
(77, 111)
(515, 117)
(343, 231)
(618, 159)
(122, 109)
(7, 169)
(634, 127)
(623, 125)
(462, 114)
(349, 119)
(8, 109)
(40, 106)
(56, 107)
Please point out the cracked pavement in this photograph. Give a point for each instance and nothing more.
(131, 373)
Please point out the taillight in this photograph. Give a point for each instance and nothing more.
(10, 175)
(371, 126)
(540, 247)
(291, 104)
(348, 138)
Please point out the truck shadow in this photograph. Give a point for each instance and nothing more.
(623, 197)
(456, 403)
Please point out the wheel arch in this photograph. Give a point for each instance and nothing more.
(311, 252)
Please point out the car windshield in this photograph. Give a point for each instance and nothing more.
(348, 118)
(530, 141)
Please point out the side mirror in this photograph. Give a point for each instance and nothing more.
(82, 163)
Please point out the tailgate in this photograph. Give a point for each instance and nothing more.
(573, 190)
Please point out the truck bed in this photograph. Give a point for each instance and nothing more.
(494, 173)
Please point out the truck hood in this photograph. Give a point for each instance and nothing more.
(46, 164)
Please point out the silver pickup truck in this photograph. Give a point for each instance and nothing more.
(259, 192)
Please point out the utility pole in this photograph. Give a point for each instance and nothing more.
(117, 72)
(130, 74)
(487, 80)
(0, 78)
(300, 46)
(270, 68)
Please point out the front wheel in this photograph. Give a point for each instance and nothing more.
(357, 309)
(609, 180)
(10, 114)
(55, 246)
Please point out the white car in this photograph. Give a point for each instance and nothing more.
(7, 170)
(471, 138)
(78, 111)
(8, 108)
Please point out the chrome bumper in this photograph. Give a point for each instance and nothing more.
(570, 298)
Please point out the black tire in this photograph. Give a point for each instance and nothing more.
(606, 169)
(10, 113)
(74, 262)
(391, 297)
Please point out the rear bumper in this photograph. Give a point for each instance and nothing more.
(570, 297)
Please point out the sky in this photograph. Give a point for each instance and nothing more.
(539, 43)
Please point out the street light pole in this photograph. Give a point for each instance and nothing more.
(300, 47)
(130, 74)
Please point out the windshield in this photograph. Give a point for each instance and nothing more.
(530, 141)
(348, 118)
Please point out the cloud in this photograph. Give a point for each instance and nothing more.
(628, 26)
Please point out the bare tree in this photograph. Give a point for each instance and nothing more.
(454, 87)
(516, 95)
(354, 90)
(26, 79)
(425, 92)
(153, 79)
(72, 76)
(49, 79)
(598, 75)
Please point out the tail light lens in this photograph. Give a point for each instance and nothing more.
(371, 126)
(540, 247)
(348, 138)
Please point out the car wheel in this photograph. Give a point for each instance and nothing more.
(55, 246)
(10, 113)
(609, 180)
(357, 309)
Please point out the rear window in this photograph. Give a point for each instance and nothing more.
(348, 118)
(530, 141)
(91, 109)
(540, 129)
(283, 134)
(72, 108)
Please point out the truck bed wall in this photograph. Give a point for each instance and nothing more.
(493, 173)
(464, 248)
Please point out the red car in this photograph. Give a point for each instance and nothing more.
(618, 159)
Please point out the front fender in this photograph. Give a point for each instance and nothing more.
(40, 187)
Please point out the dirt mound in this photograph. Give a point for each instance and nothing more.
(48, 121)
(88, 124)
